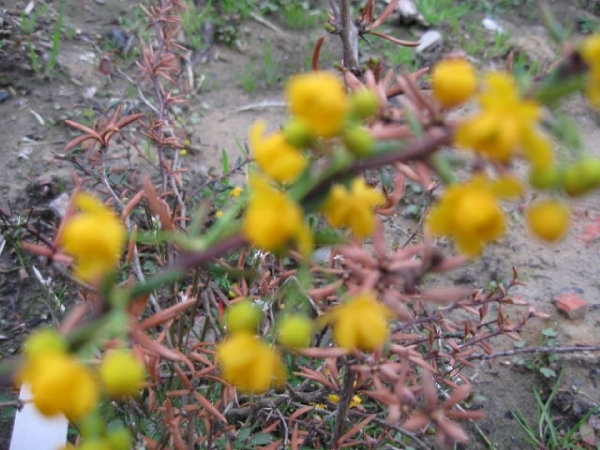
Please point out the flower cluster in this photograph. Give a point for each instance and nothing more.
(95, 238)
(506, 124)
(249, 363)
(320, 110)
(505, 127)
(59, 383)
(62, 384)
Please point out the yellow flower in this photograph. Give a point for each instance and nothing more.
(274, 155)
(548, 219)
(334, 398)
(249, 364)
(60, 384)
(236, 192)
(353, 208)
(273, 219)
(95, 238)
(469, 213)
(505, 124)
(320, 100)
(590, 52)
(361, 323)
(121, 373)
(453, 82)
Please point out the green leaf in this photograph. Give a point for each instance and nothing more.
(261, 439)
(325, 238)
(8, 412)
(549, 332)
(519, 344)
(225, 160)
(548, 373)
(243, 434)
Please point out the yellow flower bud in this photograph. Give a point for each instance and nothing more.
(295, 331)
(453, 82)
(121, 373)
(548, 219)
(242, 316)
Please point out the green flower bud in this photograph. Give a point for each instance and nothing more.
(295, 331)
(358, 141)
(364, 103)
(544, 178)
(242, 316)
(297, 133)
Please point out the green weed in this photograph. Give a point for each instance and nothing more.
(436, 11)
(246, 79)
(297, 17)
(544, 434)
(270, 66)
(192, 19)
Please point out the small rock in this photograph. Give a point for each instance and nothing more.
(409, 14)
(118, 39)
(321, 255)
(492, 25)
(430, 42)
(587, 434)
(594, 422)
(59, 204)
(4, 95)
(24, 154)
(101, 2)
(571, 305)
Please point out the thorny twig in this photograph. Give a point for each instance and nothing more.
(519, 351)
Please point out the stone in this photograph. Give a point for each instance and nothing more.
(431, 41)
(59, 204)
(492, 26)
(571, 305)
(409, 14)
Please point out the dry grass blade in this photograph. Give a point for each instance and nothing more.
(389, 9)
(206, 404)
(316, 53)
(355, 429)
(166, 314)
(402, 42)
